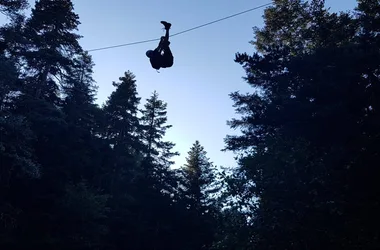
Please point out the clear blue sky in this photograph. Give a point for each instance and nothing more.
(196, 88)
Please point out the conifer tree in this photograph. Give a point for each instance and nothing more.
(121, 112)
(12, 7)
(199, 176)
(306, 133)
(154, 125)
(79, 89)
(51, 46)
(157, 162)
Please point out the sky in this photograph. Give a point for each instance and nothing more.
(204, 73)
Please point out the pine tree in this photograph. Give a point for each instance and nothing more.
(233, 231)
(156, 165)
(306, 130)
(85, 207)
(154, 125)
(12, 41)
(121, 111)
(198, 179)
(199, 175)
(83, 141)
(51, 46)
(9, 81)
(80, 91)
(64, 161)
(12, 7)
(46, 52)
(124, 171)
(17, 160)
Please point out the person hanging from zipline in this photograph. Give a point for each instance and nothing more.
(162, 56)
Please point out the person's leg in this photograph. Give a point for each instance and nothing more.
(167, 28)
(164, 41)
(167, 59)
(161, 45)
(166, 35)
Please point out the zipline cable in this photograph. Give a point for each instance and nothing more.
(181, 32)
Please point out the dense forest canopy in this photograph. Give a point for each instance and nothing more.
(77, 175)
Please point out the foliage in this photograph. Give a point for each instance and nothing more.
(74, 175)
(307, 130)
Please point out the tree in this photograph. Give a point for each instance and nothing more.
(12, 9)
(9, 81)
(306, 129)
(154, 119)
(80, 90)
(84, 145)
(198, 174)
(66, 161)
(51, 46)
(121, 111)
(233, 231)
(86, 207)
(17, 159)
(124, 171)
(197, 184)
(159, 152)
(9, 7)
(12, 39)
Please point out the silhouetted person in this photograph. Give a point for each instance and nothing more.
(162, 56)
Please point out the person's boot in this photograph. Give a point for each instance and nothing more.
(166, 24)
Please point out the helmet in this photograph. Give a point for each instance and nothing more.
(149, 53)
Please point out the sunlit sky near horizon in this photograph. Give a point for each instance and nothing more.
(204, 73)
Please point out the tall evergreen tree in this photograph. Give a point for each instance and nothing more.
(154, 121)
(51, 46)
(198, 173)
(84, 206)
(233, 231)
(12, 41)
(198, 179)
(12, 7)
(159, 152)
(9, 81)
(307, 129)
(80, 90)
(124, 172)
(84, 121)
(121, 110)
